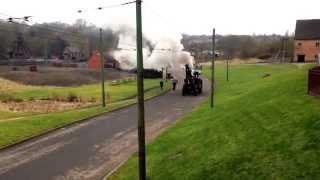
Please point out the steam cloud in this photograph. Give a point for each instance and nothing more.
(164, 52)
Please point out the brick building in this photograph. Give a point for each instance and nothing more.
(307, 40)
(109, 61)
(72, 54)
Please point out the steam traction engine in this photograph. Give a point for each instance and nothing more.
(192, 83)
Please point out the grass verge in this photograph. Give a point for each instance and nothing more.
(24, 127)
(262, 127)
(86, 92)
(115, 93)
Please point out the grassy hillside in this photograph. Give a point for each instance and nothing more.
(262, 127)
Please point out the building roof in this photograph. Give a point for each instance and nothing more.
(71, 49)
(307, 29)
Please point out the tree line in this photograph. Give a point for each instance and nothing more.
(48, 40)
(240, 46)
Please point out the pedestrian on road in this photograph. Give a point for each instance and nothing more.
(161, 84)
(174, 83)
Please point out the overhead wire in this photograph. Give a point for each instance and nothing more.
(108, 6)
(167, 21)
(41, 36)
(76, 35)
(41, 27)
(79, 11)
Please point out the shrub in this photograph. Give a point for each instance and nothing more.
(72, 97)
(56, 97)
(92, 100)
(5, 98)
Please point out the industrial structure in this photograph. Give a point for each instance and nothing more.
(19, 49)
(307, 40)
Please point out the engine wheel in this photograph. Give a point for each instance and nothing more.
(184, 90)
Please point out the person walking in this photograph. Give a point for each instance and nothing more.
(161, 84)
(174, 83)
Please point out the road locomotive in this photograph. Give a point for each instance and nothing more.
(192, 83)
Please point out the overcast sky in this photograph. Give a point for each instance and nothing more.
(177, 16)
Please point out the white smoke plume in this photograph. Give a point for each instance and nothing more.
(126, 51)
(167, 51)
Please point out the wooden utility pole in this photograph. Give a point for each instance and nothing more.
(163, 73)
(166, 73)
(228, 58)
(141, 124)
(45, 58)
(102, 69)
(282, 50)
(212, 65)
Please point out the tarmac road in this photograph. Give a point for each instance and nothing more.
(93, 148)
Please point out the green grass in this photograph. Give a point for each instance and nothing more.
(116, 92)
(260, 128)
(24, 125)
(9, 114)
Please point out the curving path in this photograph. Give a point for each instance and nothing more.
(91, 149)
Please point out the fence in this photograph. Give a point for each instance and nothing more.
(314, 81)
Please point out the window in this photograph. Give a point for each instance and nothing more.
(299, 44)
(317, 44)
